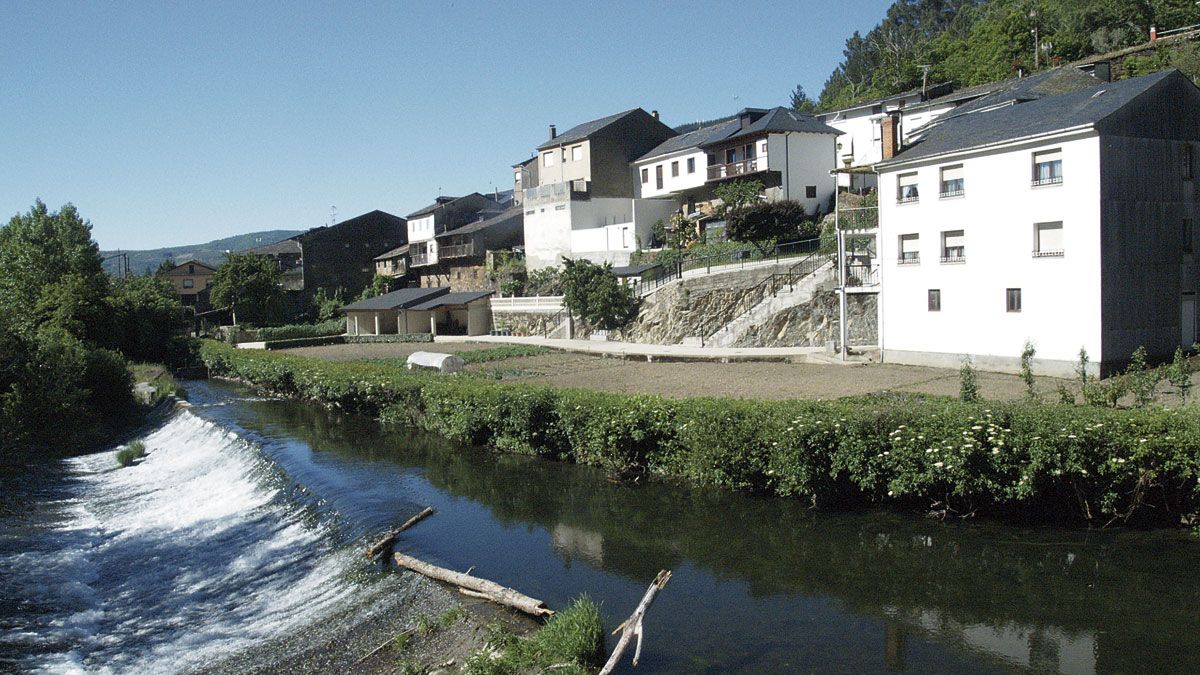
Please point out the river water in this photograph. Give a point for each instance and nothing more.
(238, 542)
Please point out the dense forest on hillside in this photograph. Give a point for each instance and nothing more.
(971, 42)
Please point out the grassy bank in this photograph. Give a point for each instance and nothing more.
(1026, 460)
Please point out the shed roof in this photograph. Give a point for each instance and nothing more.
(404, 298)
(398, 251)
(459, 298)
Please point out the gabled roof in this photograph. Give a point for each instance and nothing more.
(438, 203)
(460, 298)
(776, 120)
(693, 139)
(278, 248)
(933, 89)
(583, 131)
(185, 263)
(404, 298)
(1015, 115)
(485, 223)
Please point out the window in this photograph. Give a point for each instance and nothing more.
(577, 153)
(1012, 299)
(691, 164)
(935, 299)
(1047, 167)
(564, 154)
(906, 188)
(952, 181)
(547, 159)
(1048, 240)
(1187, 162)
(658, 177)
(645, 175)
(731, 155)
(516, 176)
(188, 283)
(560, 207)
(764, 148)
(1187, 235)
(909, 252)
(810, 191)
(954, 247)
(674, 169)
(712, 159)
(750, 151)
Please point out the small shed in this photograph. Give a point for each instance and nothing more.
(388, 313)
(464, 313)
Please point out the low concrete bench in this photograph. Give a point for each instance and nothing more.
(445, 363)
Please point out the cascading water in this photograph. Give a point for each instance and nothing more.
(202, 556)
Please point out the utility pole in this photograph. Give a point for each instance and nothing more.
(1037, 49)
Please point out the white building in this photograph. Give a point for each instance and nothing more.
(446, 213)
(583, 204)
(790, 152)
(1066, 220)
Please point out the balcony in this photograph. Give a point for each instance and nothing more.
(457, 250)
(742, 168)
(1050, 253)
(909, 258)
(392, 268)
(419, 259)
(954, 255)
(1052, 180)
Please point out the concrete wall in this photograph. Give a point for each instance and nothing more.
(803, 159)
(382, 322)
(1061, 301)
(420, 229)
(569, 169)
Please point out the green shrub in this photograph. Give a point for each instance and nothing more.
(501, 353)
(306, 342)
(1027, 355)
(1179, 374)
(129, 454)
(572, 641)
(1022, 459)
(304, 330)
(968, 381)
(1142, 378)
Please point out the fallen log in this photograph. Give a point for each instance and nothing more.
(633, 625)
(389, 540)
(478, 587)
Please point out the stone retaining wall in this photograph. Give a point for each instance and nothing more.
(815, 323)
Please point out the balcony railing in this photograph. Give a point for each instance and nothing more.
(909, 258)
(1049, 253)
(954, 254)
(457, 250)
(948, 194)
(1053, 180)
(745, 166)
(859, 276)
(396, 268)
(419, 259)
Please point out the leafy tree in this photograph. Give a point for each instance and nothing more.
(249, 285)
(380, 284)
(165, 266)
(735, 194)
(148, 319)
(770, 221)
(593, 293)
(326, 304)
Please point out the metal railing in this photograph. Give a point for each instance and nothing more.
(1051, 253)
(739, 168)
(771, 285)
(1053, 180)
(532, 303)
(656, 277)
(419, 259)
(859, 276)
(555, 323)
(909, 258)
(750, 255)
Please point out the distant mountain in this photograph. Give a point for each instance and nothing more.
(212, 253)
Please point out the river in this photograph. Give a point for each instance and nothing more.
(237, 544)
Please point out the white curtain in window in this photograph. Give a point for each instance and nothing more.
(1049, 237)
(954, 238)
(952, 173)
(908, 243)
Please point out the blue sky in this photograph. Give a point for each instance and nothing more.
(171, 123)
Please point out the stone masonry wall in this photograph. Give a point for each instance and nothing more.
(815, 323)
(525, 323)
(694, 307)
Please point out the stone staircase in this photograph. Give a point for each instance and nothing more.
(800, 293)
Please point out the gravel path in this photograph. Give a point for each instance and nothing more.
(674, 379)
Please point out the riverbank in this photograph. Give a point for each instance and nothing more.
(1023, 461)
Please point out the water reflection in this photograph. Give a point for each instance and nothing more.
(765, 584)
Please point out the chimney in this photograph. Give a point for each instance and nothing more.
(553, 132)
(890, 134)
(655, 113)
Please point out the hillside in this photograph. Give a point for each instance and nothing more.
(212, 252)
(971, 42)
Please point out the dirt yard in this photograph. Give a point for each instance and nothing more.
(760, 380)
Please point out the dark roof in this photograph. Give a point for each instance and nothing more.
(278, 248)
(779, 119)
(936, 89)
(524, 162)
(1049, 83)
(1019, 116)
(400, 250)
(440, 202)
(185, 263)
(490, 221)
(582, 131)
(460, 298)
(693, 139)
(404, 298)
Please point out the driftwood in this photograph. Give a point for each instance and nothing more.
(381, 546)
(633, 625)
(476, 587)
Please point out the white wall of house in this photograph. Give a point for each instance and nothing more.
(601, 229)
(420, 229)
(804, 161)
(998, 214)
(672, 184)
